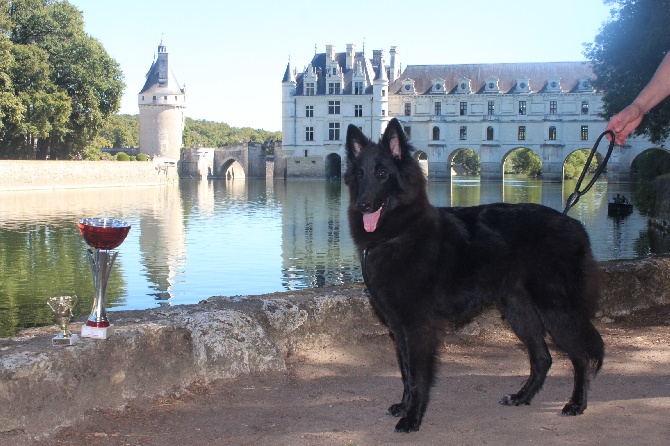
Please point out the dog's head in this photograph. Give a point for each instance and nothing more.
(381, 176)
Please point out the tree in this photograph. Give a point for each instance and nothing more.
(524, 161)
(625, 55)
(65, 81)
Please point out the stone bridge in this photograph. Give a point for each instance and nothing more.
(206, 162)
(552, 153)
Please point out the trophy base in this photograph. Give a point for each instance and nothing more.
(97, 332)
(73, 339)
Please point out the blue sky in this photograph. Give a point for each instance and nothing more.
(232, 54)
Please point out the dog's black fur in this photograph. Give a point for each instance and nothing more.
(423, 265)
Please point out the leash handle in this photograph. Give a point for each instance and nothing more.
(574, 197)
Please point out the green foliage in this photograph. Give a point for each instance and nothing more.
(524, 161)
(122, 156)
(57, 84)
(575, 162)
(142, 157)
(469, 159)
(122, 131)
(625, 55)
(218, 134)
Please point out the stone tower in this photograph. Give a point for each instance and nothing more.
(162, 102)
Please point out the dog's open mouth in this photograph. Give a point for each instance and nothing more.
(371, 219)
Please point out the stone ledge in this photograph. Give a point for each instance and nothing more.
(167, 349)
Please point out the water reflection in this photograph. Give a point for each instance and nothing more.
(196, 239)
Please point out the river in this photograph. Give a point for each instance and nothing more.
(195, 239)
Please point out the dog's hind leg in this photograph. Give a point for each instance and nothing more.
(417, 349)
(522, 317)
(578, 337)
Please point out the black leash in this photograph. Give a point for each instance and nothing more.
(574, 197)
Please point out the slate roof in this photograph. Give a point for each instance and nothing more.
(319, 64)
(153, 87)
(506, 73)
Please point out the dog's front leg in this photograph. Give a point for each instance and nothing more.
(417, 348)
(400, 409)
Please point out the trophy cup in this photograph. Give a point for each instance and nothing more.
(102, 234)
(62, 308)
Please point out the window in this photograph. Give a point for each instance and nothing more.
(358, 110)
(492, 108)
(438, 108)
(359, 88)
(463, 135)
(408, 109)
(522, 133)
(552, 133)
(585, 107)
(553, 107)
(333, 88)
(333, 107)
(408, 132)
(334, 71)
(334, 131)
(383, 93)
(585, 132)
(309, 111)
(489, 133)
(522, 107)
(309, 133)
(436, 133)
(464, 108)
(309, 89)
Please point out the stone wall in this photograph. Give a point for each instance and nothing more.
(25, 175)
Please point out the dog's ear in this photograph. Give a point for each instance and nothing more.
(394, 138)
(356, 140)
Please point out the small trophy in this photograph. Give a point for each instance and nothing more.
(62, 308)
(102, 234)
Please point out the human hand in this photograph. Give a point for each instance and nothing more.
(624, 122)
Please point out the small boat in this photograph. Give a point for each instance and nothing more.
(619, 207)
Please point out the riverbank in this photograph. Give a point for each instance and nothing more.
(169, 350)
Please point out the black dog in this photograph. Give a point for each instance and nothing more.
(423, 264)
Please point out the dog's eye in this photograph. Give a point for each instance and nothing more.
(382, 174)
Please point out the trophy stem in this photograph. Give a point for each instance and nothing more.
(101, 267)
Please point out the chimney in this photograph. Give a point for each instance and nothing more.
(330, 53)
(394, 71)
(377, 57)
(351, 52)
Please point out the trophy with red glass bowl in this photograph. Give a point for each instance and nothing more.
(102, 234)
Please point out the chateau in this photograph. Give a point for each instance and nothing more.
(493, 109)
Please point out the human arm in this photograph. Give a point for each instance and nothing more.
(658, 88)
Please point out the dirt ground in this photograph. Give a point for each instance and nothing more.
(338, 396)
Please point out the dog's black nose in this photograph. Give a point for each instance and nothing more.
(363, 206)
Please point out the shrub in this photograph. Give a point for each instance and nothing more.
(142, 157)
(121, 156)
(133, 158)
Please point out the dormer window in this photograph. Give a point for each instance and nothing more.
(523, 85)
(407, 86)
(334, 88)
(553, 85)
(584, 84)
(438, 86)
(463, 86)
(491, 85)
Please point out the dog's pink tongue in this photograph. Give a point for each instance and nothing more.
(370, 220)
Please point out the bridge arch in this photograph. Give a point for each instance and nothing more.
(507, 154)
(333, 166)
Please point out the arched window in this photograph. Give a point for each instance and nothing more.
(552, 133)
(489, 133)
(436, 133)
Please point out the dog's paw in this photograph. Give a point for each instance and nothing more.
(512, 400)
(397, 410)
(572, 409)
(406, 425)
